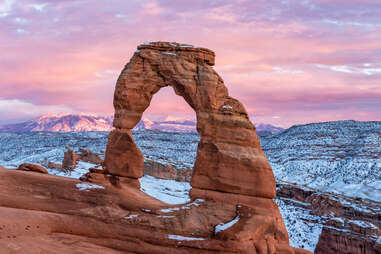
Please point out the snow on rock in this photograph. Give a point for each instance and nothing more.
(186, 206)
(131, 216)
(185, 238)
(169, 53)
(223, 226)
(227, 107)
(342, 156)
(81, 169)
(168, 191)
(88, 186)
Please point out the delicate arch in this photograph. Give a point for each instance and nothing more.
(229, 156)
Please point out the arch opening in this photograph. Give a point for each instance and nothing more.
(167, 138)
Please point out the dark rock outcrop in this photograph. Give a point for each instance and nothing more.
(168, 172)
(33, 168)
(53, 165)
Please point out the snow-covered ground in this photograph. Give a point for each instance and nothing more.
(169, 191)
(303, 233)
(342, 157)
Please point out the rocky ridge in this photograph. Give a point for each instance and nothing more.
(66, 122)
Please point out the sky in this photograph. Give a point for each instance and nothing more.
(288, 61)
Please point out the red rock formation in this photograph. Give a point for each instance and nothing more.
(229, 157)
(335, 241)
(109, 214)
(33, 168)
(87, 155)
(53, 165)
(230, 167)
(350, 225)
(168, 172)
(70, 159)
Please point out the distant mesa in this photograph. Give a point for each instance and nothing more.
(67, 122)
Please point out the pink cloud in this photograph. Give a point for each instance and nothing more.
(301, 61)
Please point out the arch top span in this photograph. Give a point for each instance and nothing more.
(181, 49)
(229, 157)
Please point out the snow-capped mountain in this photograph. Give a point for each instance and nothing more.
(265, 129)
(169, 124)
(66, 122)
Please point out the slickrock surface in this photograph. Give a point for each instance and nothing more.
(231, 208)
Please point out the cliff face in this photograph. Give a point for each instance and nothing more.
(349, 225)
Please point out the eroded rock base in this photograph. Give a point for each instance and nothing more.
(51, 214)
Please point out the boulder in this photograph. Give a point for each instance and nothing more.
(33, 168)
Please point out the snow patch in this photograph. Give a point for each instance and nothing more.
(129, 217)
(169, 53)
(169, 191)
(88, 186)
(185, 238)
(227, 107)
(187, 206)
(223, 226)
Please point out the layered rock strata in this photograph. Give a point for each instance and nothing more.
(229, 157)
(349, 225)
(168, 172)
(230, 169)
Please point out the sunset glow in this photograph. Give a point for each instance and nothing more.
(289, 62)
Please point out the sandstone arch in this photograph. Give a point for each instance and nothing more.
(229, 157)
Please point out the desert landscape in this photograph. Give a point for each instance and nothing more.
(165, 127)
(177, 206)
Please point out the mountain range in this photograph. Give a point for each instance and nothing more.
(66, 122)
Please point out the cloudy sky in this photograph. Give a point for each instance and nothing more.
(288, 61)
